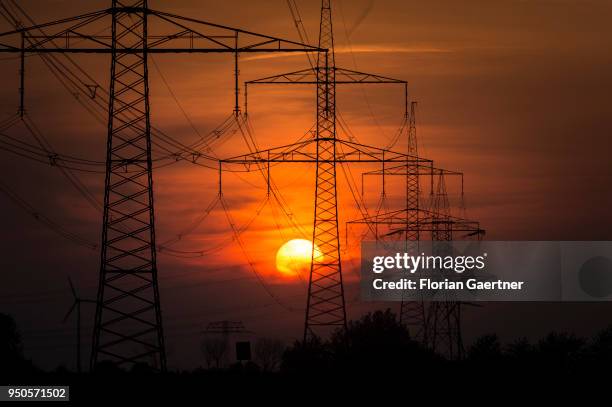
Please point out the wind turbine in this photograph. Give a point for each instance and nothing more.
(76, 305)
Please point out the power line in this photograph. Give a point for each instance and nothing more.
(44, 220)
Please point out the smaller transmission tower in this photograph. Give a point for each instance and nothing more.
(434, 324)
(218, 338)
(445, 314)
(412, 313)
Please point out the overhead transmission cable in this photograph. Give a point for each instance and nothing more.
(250, 262)
(46, 221)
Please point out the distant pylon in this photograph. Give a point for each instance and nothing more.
(412, 313)
(128, 322)
(325, 305)
(444, 315)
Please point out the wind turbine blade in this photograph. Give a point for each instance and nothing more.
(72, 288)
(74, 304)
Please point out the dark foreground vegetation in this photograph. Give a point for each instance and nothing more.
(375, 347)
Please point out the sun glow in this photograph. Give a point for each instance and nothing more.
(294, 257)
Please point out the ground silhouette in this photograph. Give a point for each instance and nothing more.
(375, 344)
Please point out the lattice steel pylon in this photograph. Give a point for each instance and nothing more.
(434, 323)
(412, 313)
(325, 307)
(128, 324)
(325, 304)
(444, 315)
(128, 290)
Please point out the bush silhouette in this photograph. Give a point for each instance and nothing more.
(485, 349)
(375, 341)
(12, 360)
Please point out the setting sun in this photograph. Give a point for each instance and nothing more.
(293, 258)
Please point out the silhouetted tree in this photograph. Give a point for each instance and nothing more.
(560, 350)
(215, 350)
(599, 352)
(305, 357)
(377, 340)
(10, 338)
(486, 349)
(268, 353)
(141, 368)
(107, 368)
(11, 348)
(520, 350)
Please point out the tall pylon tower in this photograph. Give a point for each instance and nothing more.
(128, 291)
(128, 322)
(325, 304)
(413, 313)
(325, 307)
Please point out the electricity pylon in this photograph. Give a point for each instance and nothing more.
(128, 311)
(437, 324)
(412, 313)
(445, 314)
(325, 307)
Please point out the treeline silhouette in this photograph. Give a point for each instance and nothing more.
(374, 343)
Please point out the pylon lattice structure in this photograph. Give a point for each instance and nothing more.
(326, 304)
(225, 327)
(128, 290)
(412, 313)
(326, 308)
(444, 315)
(436, 324)
(128, 322)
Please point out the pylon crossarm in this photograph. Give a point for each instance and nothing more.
(396, 214)
(254, 42)
(341, 76)
(401, 170)
(81, 18)
(306, 152)
(427, 219)
(349, 152)
(344, 76)
(64, 31)
(303, 151)
(470, 228)
(187, 35)
(303, 76)
(309, 76)
(399, 225)
(410, 170)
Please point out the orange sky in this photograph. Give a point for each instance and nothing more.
(513, 93)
